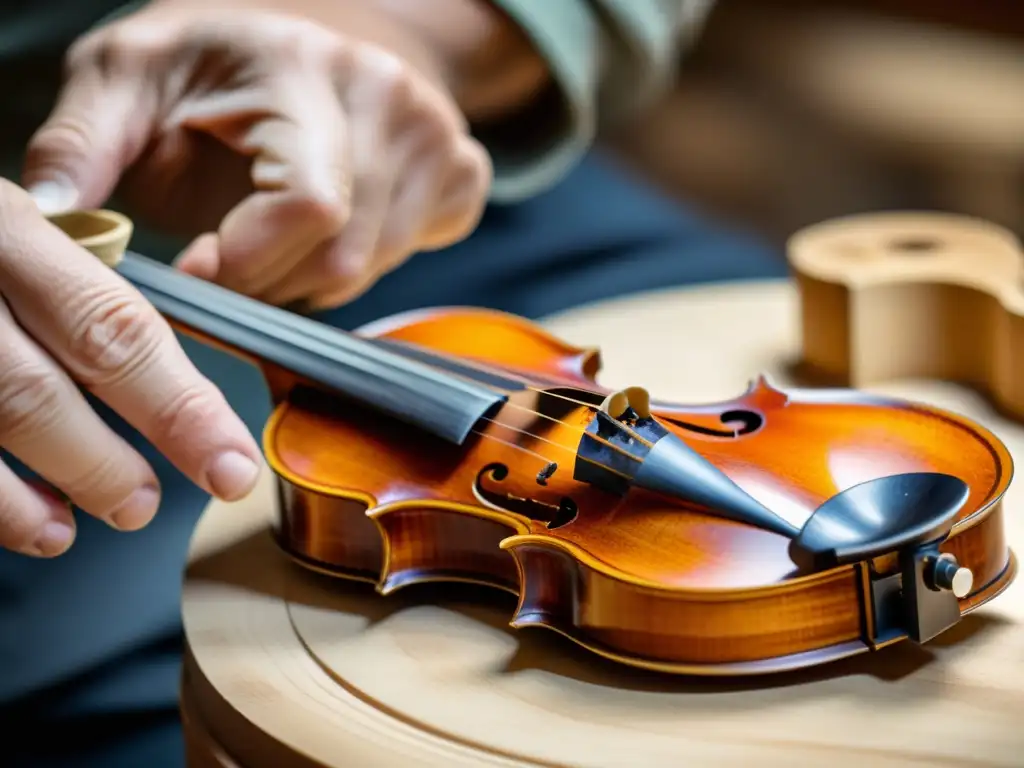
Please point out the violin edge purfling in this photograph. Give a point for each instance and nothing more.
(440, 502)
(840, 612)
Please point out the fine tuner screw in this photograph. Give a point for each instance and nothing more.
(947, 573)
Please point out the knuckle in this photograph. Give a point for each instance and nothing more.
(336, 295)
(341, 59)
(295, 41)
(343, 267)
(475, 165)
(375, 77)
(29, 402)
(463, 226)
(394, 254)
(403, 95)
(127, 43)
(386, 68)
(121, 46)
(85, 51)
(324, 210)
(375, 189)
(472, 189)
(67, 134)
(466, 196)
(103, 481)
(423, 143)
(190, 415)
(460, 228)
(113, 335)
(449, 120)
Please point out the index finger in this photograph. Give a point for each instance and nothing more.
(115, 344)
(292, 126)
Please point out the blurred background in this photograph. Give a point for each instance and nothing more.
(788, 112)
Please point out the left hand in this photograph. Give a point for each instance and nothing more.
(307, 159)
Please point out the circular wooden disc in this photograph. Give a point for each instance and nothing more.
(290, 668)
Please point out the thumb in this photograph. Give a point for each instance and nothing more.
(97, 129)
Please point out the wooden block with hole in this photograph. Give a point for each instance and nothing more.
(912, 295)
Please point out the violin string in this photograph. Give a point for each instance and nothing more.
(546, 393)
(590, 406)
(523, 448)
(546, 459)
(582, 403)
(527, 433)
(542, 457)
(510, 373)
(561, 422)
(501, 371)
(567, 425)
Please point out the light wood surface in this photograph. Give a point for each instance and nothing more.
(892, 295)
(287, 668)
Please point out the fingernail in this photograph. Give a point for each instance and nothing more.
(55, 195)
(137, 510)
(54, 539)
(232, 475)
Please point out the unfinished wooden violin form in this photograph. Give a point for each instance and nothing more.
(779, 529)
(902, 295)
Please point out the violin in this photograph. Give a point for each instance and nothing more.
(780, 529)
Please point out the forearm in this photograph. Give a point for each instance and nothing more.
(491, 66)
(484, 58)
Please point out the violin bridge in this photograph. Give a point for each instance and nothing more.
(636, 399)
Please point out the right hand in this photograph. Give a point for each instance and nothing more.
(310, 150)
(67, 320)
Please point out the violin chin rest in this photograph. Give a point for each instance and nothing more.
(879, 516)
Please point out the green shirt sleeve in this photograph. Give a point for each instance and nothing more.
(607, 59)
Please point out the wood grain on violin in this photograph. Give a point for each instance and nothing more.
(900, 295)
(777, 530)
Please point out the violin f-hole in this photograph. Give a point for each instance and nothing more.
(552, 515)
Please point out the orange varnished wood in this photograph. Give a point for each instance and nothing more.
(640, 579)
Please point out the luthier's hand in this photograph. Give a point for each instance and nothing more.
(308, 158)
(67, 320)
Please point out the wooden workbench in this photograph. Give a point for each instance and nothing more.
(287, 668)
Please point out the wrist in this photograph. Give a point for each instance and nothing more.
(469, 47)
(485, 59)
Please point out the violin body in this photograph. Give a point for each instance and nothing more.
(781, 529)
(637, 577)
